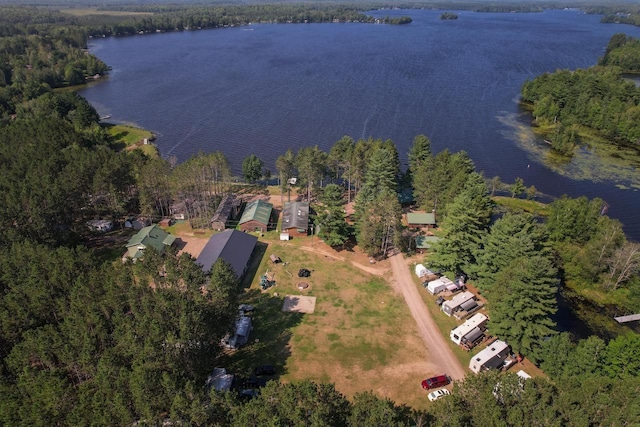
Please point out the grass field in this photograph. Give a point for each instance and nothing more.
(130, 138)
(361, 336)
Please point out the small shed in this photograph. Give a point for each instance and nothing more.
(421, 270)
(284, 236)
(275, 258)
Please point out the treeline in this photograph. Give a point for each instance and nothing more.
(598, 98)
(106, 345)
(174, 18)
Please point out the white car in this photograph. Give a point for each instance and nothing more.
(435, 395)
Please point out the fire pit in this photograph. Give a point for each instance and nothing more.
(303, 286)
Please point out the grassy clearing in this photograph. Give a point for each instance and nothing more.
(360, 337)
(531, 206)
(130, 138)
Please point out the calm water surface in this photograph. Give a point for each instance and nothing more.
(265, 88)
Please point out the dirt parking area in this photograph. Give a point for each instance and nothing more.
(192, 245)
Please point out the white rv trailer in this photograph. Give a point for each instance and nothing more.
(476, 321)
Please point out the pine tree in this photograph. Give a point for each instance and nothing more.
(523, 298)
(465, 227)
(512, 236)
(331, 220)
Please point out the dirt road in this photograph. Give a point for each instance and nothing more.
(442, 358)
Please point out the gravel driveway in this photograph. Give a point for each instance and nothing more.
(442, 358)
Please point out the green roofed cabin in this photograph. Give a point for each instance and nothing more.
(151, 236)
(421, 220)
(256, 216)
(425, 242)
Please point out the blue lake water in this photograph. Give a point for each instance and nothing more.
(265, 88)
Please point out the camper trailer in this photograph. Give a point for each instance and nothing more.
(241, 334)
(478, 321)
(491, 357)
(439, 285)
(453, 305)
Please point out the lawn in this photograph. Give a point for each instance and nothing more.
(129, 138)
(361, 336)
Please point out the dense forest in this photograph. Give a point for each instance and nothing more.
(85, 340)
(598, 98)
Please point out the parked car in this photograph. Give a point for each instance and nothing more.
(436, 382)
(264, 370)
(435, 395)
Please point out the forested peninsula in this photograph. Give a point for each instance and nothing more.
(87, 339)
(598, 98)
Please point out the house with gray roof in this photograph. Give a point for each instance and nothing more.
(295, 218)
(151, 236)
(233, 246)
(256, 216)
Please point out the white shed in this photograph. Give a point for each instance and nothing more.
(421, 270)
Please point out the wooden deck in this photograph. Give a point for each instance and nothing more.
(629, 318)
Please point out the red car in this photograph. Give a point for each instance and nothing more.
(436, 382)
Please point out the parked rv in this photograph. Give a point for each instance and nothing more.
(453, 305)
(478, 321)
(494, 356)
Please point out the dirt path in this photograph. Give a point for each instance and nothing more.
(442, 358)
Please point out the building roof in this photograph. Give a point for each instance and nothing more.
(295, 215)
(421, 218)
(151, 236)
(233, 246)
(426, 242)
(258, 210)
(224, 208)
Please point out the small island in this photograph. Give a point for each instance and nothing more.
(448, 16)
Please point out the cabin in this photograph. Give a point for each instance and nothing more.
(151, 236)
(478, 321)
(453, 305)
(256, 216)
(295, 218)
(228, 208)
(421, 220)
(426, 242)
(493, 356)
(233, 246)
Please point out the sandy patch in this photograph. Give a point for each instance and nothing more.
(192, 245)
(299, 304)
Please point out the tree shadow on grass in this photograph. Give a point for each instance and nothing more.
(269, 341)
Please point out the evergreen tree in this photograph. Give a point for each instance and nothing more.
(464, 228)
(252, 167)
(523, 298)
(331, 220)
(513, 236)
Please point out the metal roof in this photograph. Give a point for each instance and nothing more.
(152, 236)
(421, 218)
(295, 215)
(258, 210)
(233, 246)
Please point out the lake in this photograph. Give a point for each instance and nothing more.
(265, 88)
